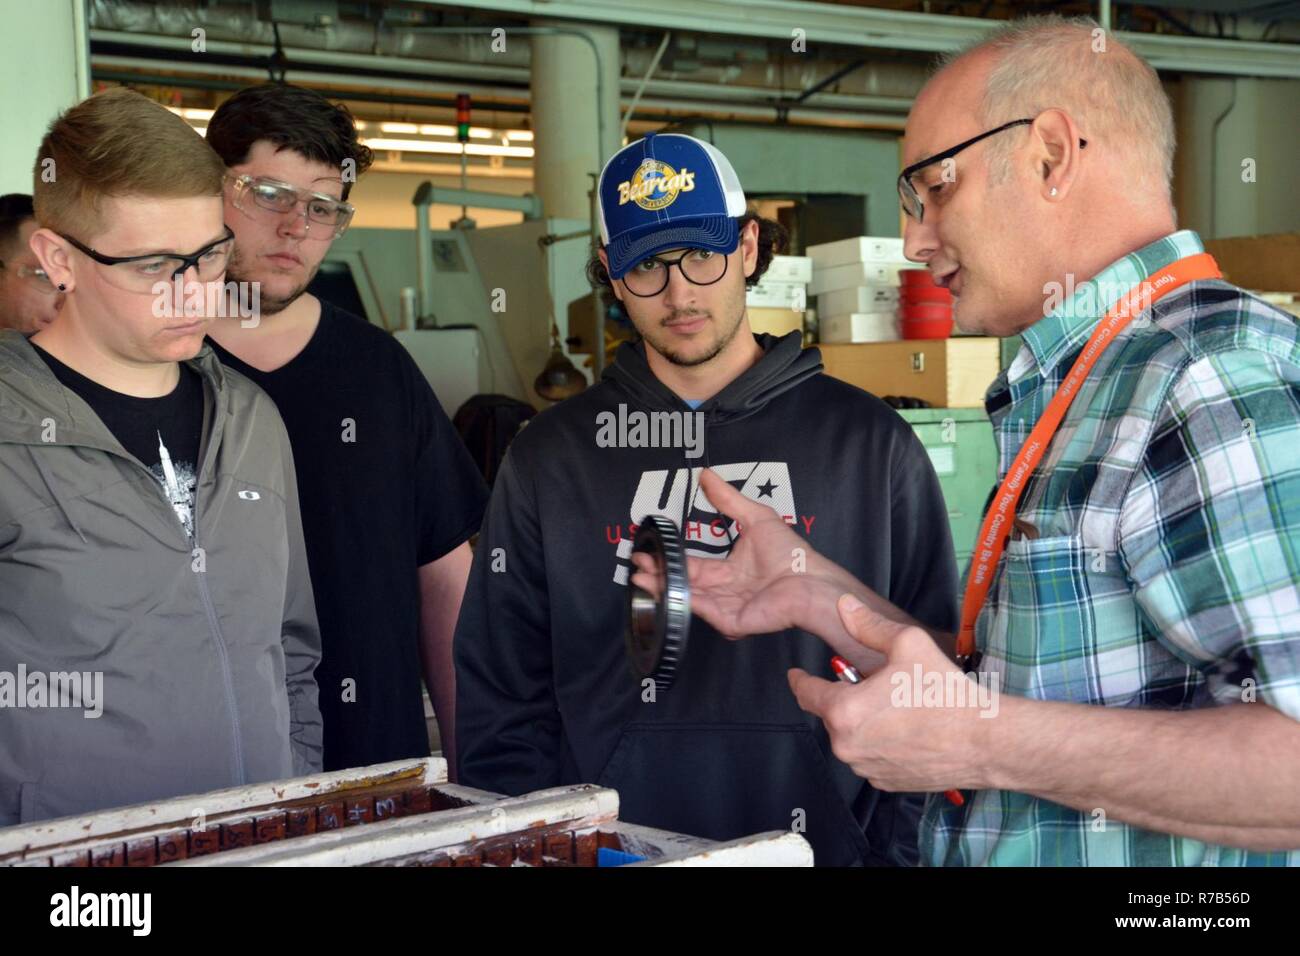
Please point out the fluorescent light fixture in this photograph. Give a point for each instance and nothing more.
(478, 149)
(433, 129)
(454, 149)
(191, 113)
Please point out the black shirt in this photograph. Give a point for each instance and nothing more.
(385, 486)
(164, 433)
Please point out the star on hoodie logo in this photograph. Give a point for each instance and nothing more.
(767, 488)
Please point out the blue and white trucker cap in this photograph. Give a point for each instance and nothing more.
(667, 191)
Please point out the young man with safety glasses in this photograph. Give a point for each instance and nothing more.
(545, 693)
(157, 628)
(389, 493)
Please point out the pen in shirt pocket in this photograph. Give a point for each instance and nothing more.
(849, 674)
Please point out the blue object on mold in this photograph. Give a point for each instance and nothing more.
(607, 857)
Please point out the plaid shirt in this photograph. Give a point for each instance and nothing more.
(1156, 553)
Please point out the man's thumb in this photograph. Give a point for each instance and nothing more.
(726, 499)
(863, 624)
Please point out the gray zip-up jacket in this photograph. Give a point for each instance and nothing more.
(205, 648)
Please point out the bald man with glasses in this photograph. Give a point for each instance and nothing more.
(1133, 600)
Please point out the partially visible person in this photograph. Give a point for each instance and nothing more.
(153, 579)
(28, 300)
(390, 495)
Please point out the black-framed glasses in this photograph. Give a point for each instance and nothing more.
(142, 273)
(649, 277)
(907, 194)
(274, 196)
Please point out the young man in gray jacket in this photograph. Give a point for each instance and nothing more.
(157, 627)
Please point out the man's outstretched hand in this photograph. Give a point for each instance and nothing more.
(768, 581)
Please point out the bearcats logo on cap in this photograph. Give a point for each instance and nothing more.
(655, 185)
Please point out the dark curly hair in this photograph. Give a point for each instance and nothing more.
(772, 238)
(290, 117)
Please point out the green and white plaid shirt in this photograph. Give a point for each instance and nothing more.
(1157, 550)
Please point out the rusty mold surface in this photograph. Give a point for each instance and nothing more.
(388, 796)
(557, 845)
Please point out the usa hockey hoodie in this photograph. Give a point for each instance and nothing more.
(545, 693)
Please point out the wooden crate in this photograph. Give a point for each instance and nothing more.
(1263, 263)
(776, 322)
(947, 373)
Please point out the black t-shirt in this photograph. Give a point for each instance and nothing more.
(385, 486)
(164, 433)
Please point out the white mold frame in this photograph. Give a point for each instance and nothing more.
(23, 845)
(581, 808)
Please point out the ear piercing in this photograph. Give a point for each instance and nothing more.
(63, 287)
(1053, 192)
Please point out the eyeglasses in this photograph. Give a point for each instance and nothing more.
(143, 273)
(282, 198)
(35, 275)
(912, 204)
(699, 267)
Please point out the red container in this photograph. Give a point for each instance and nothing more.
(926, 328)
(922, 294)
(926, 312)
(915, 277)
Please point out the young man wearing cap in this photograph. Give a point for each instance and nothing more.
(545, 693)
(28, 300)
(389, 493)
(157, 631)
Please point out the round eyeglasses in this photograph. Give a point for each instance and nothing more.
(649, 277)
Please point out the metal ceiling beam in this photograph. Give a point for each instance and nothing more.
(441, 76)
(882, 29)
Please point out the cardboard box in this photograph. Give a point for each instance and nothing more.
(857, 249)
(855, 274)
(862, 298)
(858, 327)
(947, 373)
(789, 269)
(778, 295)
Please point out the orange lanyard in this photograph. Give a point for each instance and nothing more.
(997, 524)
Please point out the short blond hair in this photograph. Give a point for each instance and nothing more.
(1051, 62)
(117, 143)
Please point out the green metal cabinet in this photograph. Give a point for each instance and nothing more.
(960, 444)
